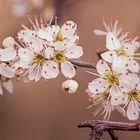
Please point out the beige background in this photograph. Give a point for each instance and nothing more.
(42, 111)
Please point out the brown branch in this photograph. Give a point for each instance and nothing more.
(101, 126)
(85, 64)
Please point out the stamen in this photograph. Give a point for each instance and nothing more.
(93, 73)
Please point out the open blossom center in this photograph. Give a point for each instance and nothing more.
(58, 37)
(39, 59)
(59, 57)
(111, 78)
(121, 52)
(134, 95)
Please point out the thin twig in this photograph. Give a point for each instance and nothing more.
(101, 126)
(85, 64)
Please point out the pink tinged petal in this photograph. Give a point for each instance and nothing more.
(119, 99)
(68, 29)
(108, 56)
(132, 111)
(119, 64)
(133, 65)
(1, 90)
(98, 85)
(50, 70)
(49, 52)
(8, 86)
(73, 52)
(7, 54)
(112, 43)
(35, 74)
(36, 45)
(68, 69)
(102, 67)
(6, 71)
(128, 82)
(115, 90)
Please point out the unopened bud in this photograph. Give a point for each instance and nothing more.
(70, 86)
(8, 42)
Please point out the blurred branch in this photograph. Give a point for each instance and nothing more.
(98, 127)
(85, 64)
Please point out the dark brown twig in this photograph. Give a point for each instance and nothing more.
(84, 64)
(98, 127)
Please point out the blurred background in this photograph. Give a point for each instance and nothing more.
(42, 111)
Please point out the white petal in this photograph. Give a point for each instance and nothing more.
(119, 99)
(119, 64)
(50, 70)
(60, 45)
(68, 29)
(98, 85)
(128, 82)
(68, 69)
(46, 34)
(132, 111)
(73, 52)
(7, 54)
(35, 45)
(8, 86)
(108, 56)
(112, 43)
(6, 71)
(25, 35)
(102, 67)
(114, 90)
(49, 52)
(133, 66)
(26, 57)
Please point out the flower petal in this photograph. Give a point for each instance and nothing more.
(98, 85)
(26, 57)
(133, 65)
(119, 99)
(102, 67)
(35, 74)
(25, 35)
(49, 52)
(8, 86)
(68, 69)
(132, 111)
(73, 52)
(108, 56)
(6, 71)
(128, 82)
(115, 90)
(35, 45)
(50, 70)
(7, 54)
(68, 29)
(112, 43)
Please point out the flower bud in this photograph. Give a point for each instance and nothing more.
(8, 42)
(70, 86)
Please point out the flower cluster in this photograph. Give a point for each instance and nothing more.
(118, 83)
(42, 51)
